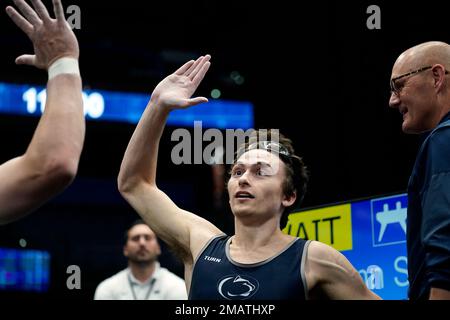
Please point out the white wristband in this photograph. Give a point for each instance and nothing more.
(63, 65)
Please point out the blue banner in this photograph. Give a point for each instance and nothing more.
(370, 233)
(128, 107)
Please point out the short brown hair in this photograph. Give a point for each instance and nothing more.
(131, 226)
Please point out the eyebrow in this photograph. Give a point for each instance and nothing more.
(141, 235)
(239, 163)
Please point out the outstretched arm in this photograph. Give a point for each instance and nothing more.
(136, 179)
(330, 274)
(51, 160)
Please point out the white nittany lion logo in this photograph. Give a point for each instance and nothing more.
(236, 287)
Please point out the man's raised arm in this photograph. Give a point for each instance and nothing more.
(136, 179)
(51, 160)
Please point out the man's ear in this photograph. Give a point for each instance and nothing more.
(289, 200)
(158, 248)
(438, 71)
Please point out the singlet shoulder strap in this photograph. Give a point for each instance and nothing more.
(213, 238)
(302, 267)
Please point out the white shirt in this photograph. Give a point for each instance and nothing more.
(162, 285)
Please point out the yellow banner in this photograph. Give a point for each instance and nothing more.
(331, 225)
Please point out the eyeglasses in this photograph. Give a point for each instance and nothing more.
(396, 88)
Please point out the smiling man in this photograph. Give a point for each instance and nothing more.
(420, 90)
(259, 261)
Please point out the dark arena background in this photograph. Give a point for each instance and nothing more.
(314, 70)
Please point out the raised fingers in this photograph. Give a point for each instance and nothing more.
(20, 21)
(193, 66)
(199, 66)
(201, 73)
(58, 9)
(184, 67)
(41, 10)
(28, 12)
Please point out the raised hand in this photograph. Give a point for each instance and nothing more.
(52, 38)
(175, 91)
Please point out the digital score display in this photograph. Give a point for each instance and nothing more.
(128, 107)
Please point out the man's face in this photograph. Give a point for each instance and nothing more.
(142, 245)
(256, 185)
(415, 99)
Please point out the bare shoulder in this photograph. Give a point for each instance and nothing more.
(329, 272)
(322, 255)
(320, 259)
(202, 231)
(327, 264)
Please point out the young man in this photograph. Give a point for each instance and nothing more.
(51, 160)
(144, 279)
(420, 90)
(259, 261)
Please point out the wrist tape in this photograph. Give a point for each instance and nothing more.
(63, 65)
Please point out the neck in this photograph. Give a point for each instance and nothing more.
(250, 236)
(142, 272)
(444, 112)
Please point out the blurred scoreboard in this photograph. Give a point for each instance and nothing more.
(24, 270)
(102, 105)
(370, 233)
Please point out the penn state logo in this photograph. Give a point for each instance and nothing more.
(236, 287)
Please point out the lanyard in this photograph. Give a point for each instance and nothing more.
(150, 288)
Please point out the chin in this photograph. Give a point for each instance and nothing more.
(242, 212)
(408, 129)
